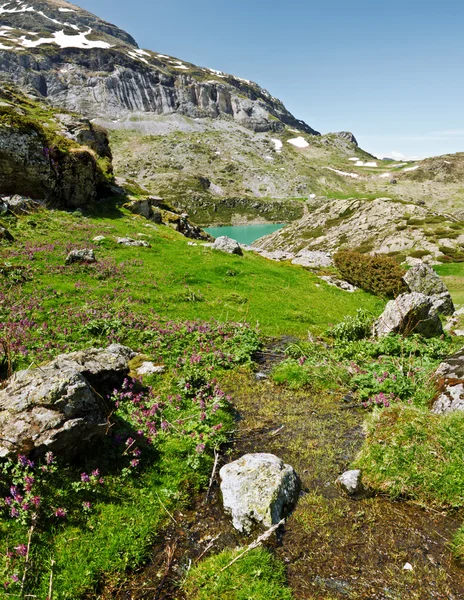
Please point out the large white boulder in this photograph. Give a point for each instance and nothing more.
(227, 244)
(258, 489)
(407, 314)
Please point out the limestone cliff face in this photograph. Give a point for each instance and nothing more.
(78, 61)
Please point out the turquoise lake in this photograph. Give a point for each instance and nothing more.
(245, 234)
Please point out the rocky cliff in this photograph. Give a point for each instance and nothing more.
(49, 155)
(88, 65)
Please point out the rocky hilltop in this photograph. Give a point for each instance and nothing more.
(83, 63)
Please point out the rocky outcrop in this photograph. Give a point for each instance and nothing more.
(313, 260)
(227, 244)
(407, 314)
(92, 67)
(450, 377)
(5, 235)
(127, 241)
(158, 211)
(60, 406)
(258, 489)
(40, 157)
(380, 226)
(423, 279)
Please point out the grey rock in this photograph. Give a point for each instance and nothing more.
(81, 256)
(227, 244)
(350, 482)
(60, 406)
(407, 314)
(130, 242)
(149, 368)
(258, 489)
(340, 283)
(313, 259)
(423, 279)
(450, 376)
(99, 238)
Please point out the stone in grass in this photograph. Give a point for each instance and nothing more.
(450, 377)
(6, 235)
(149, 368)
(258, 489)
(227, 244)
(407, 314)
(130, 242)
(350, 482)
(81, 256)
(99, 238)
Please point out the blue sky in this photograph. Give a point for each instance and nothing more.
(389, 72)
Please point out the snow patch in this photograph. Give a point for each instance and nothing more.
(137, 57)
(299, 142)
(67, 41)
(360, 163)
(61, 9)
(21, 9)
(278, 145)
(142, 52)
(354, 158)
(385, 175)
(411, 169)
(344, 173)
(162, 56)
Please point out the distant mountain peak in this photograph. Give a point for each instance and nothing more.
(84, 63)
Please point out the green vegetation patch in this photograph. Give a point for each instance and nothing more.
(257, 575)
(412, 453)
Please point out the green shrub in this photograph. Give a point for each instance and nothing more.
(353, 328)
(380, 275)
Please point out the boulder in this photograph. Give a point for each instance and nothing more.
(450, 376)
(350, 482)
(60, 406)
(227, 244)
(81, 256)
(258, 489)
(423, 279)
(130, 242)
(407, 314)
(5, 235)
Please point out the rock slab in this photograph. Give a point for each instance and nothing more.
(450, 376)
(60, 406)
(258, 489)
(407, 314)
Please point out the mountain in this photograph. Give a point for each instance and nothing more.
(83, 63)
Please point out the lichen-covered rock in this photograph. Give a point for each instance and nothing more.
(81, 256)
(423, 279)
(227, 244)
(407, 314)
(450, 376)
(258, 489)
(60, 406)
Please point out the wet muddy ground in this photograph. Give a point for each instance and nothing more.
(334, 547)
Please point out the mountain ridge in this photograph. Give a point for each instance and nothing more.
(45, 47)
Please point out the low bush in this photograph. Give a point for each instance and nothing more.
(353, 328)
(380, 275)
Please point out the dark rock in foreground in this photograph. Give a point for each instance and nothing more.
(60, 406)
